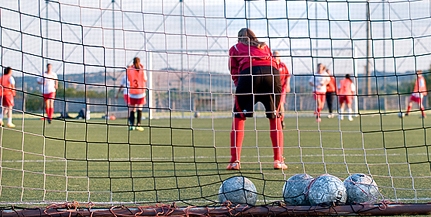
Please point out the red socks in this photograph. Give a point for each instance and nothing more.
(408, 109)
(49, 112)
(277, 138)
(236, 138)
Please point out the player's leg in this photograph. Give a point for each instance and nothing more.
(320, 103)
(317, 99)
(410, 105)
(51, 108)
(9, 117)
(271, 100)
(329, 98)
(349, 107)
(132, 116)
(342, 101)
(8, 106)
(242, 108)
(421, 107)
(45, 103)
(139, 114)
(236, 140)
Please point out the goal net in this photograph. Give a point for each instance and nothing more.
(87, 161)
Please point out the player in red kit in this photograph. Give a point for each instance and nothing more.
(7, 93)
(346, 91)
(137, 92)
(419, 91)
(49, 85)
(257, 79)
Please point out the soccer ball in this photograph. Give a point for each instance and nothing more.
(238, 190)
(401, 115)
(197, 114)
(361, 189)
(295, 189)
(327, 190)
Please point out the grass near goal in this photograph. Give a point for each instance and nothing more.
(97, 167)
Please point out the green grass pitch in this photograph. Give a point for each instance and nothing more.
(185, 159)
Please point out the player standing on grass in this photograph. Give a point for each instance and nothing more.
(136, 90)
(419, 91)
(7, 93)
(331, 90)
(319, 82)
(285, 83)
(346, 91)
(255, 75)
(49, 82)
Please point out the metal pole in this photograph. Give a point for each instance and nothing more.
(46, 28)
(384, 55)
(368, 65)
(114, 78)
(181, 53)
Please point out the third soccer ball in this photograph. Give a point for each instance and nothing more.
(238, 190)
(327, 190)
(361, 189)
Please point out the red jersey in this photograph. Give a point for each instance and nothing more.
(346, 87)
(6, 86)
(332, 86)
(284, 74)
(136, 78)
(420, 85)
(243, 56)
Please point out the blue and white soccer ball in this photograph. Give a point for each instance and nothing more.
(238, 190)
(401, 115)
(295, 189)
(327, 190)
(361, 188)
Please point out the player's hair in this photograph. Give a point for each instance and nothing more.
(318, 66)
(419, 71)
(247, 37)
(7, 70)
(348, 77)
(137, 63)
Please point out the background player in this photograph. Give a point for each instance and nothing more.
(319, 82)
(285, 84)
(136, 90)
(260, 82)
(7, 90)
(331, 90)
(346, 91)
(49, 82)
(419, 91)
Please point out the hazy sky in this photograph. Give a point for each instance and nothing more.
(196, 34)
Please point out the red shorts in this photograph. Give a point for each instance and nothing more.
(7, 101)
(319, 96)
(136, 101)
(345, 99)
(126, 99)
(416, 99)
(47, 96)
